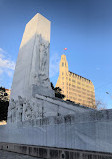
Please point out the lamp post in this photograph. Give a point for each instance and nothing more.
(109, 94)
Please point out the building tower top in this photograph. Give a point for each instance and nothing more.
(63, 64)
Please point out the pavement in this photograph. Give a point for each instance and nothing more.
(11, 155)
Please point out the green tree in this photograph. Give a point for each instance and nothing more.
(4, 103)
(57, 91)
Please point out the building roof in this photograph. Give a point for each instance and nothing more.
(80, 76)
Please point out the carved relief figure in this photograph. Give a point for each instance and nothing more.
(34, 110)
(39, 68)
(12, 111)
(28, 111)
(19, 108)
(35, 57)
(43, 50)
(43, 55)
(38, 105)
(22, 109)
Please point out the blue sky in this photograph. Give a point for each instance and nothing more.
(83, 26)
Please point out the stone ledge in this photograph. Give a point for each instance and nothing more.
(92, 116)
(53, 152)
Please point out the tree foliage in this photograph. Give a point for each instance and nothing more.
(4, 103)
(57, 90)
(100, 105)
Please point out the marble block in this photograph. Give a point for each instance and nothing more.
(32, 67)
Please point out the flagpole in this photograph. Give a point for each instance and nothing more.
(65, 51)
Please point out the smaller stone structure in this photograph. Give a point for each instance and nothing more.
(41, 106)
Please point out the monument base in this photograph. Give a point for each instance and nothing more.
(87, 131)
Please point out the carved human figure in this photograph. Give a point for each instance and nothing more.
(24, 107)
(28, 111)
(43, 50)
(43, 75)
(43, 57)
(40, 54)
(33, 107)
(35, 64)
(19, 108)
(37, 106)
(9, 111)
(12, 111)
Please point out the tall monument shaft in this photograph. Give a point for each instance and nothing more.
(32, 67)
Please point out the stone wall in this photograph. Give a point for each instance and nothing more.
(87, 131)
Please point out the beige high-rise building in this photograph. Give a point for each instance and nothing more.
(75, 87)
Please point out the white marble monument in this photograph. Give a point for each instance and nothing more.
(31, 95)
(35, 116)
(31, 74)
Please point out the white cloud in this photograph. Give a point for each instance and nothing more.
(5, 62)
(54, 65)
(7, 66)
(2, 51)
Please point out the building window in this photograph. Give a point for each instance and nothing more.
(73, 86)
(62, 64)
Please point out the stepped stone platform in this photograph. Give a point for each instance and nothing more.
(48, 152)
(12, 155)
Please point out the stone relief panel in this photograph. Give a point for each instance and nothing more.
(44, 62)
(22, 109)
(34, 77)
(40, 62)
(44, 51)
(28, 111)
